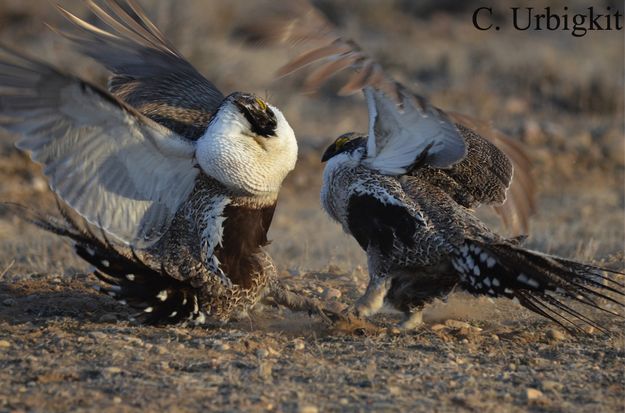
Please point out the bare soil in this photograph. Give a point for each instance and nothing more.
(64, 347)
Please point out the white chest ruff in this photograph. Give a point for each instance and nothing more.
(243, 162)
(338, 176)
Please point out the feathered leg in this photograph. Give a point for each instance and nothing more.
(299, 303)
(373, 299)
(413, 320)
(379, 285)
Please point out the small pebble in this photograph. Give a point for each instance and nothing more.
(4, 344)
(113, 370)
(555, 334)
(394, 390)
(533, 394)
(550, 385)
(133, 340)
(97, 335)
(298, 345)
(330, 293)
(9, 302)
(308, 408)
(159, 350)
(457, 324)
(272, 351)
(261, 353)
(108, 318)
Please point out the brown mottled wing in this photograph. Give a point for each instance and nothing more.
(482, 177)
(469, 185)
(148, 72)
(520, 203)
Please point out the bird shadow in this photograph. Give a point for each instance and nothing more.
(37, 301)
(44, 299)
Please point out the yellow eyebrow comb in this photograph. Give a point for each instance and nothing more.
(262, 104)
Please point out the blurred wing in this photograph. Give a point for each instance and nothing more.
(520, 203)
(148, 72)
(404, 128)
(299, 22)
(409, 133)
(118, 169)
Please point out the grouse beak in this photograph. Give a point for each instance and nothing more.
(329, 153)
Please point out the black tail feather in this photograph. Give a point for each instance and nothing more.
(539, 303)
(539, 281)
(161, 298)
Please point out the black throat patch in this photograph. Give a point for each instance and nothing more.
(260, 116)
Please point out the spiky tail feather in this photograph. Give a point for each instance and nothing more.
(538, 281)
(161, 298)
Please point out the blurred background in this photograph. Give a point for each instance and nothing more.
(64, 346)
(562, 96)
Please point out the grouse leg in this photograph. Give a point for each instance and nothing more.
(413, 320)
(297, 302)
(373, 299)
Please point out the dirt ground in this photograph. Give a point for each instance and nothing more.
(64, 347)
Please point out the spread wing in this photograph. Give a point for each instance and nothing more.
(148, 72)
(405, 130)
(298, 23)
(117, 168)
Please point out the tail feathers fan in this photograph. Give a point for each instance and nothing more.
(161, 298)
(539, 282)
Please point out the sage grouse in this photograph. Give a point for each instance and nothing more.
(179, 181)
(404, 191)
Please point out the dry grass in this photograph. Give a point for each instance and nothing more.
(562, 96)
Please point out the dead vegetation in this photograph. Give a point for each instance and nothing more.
(64, 347)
